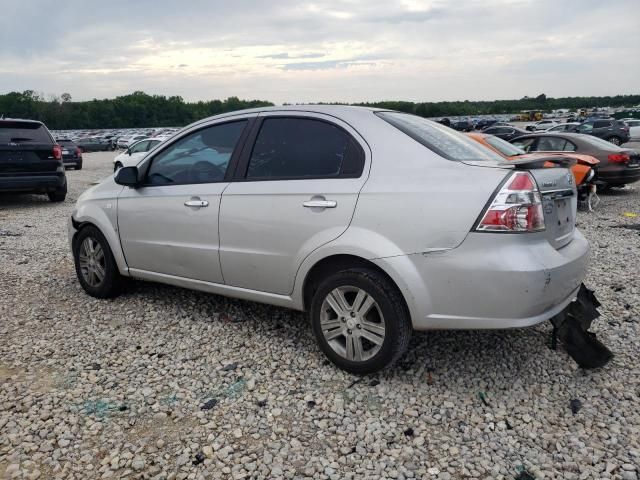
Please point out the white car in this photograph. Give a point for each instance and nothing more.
(132, 155)
(542, 125)
(126, 142)
(634, 128)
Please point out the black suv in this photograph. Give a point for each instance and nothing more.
(30, 160)
(608, 129)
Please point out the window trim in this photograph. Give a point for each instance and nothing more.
(242, 167)
(228, 175)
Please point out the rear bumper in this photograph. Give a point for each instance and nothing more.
(71, 161)
(33, 183)
(491, 281)
(619, 176)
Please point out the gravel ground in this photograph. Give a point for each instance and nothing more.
(168, 383)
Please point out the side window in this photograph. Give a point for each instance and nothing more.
(200, 157)
(303, 148)
(585, 128)
(568, 146)
(525, 144)
(602, 124)
(140, 147)
(551, 144)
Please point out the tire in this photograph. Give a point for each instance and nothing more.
(111, 283)
(615, 140)
(388, 312)
(58, 195)
(117, 166)
(79, 166)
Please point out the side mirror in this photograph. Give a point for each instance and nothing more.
(127, 176)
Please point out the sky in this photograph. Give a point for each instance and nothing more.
(297, 51)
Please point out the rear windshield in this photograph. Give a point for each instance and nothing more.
(441, 139)
(503, 146)
(23, 132)
(602, 144)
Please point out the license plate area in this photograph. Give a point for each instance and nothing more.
(564, 215)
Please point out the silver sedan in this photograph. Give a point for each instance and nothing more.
(375, 222)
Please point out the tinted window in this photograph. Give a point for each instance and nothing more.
(301, 148)
(524, 143)
(442, 140)
(23, 132)
(140, 147)
(601, 124)
(503, 146)
(200, 157)
(554, 144)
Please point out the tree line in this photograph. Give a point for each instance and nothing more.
(142, 110)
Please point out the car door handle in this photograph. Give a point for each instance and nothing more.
(196, 203)
(320, 204)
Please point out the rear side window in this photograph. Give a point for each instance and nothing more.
(23, 132)
(441, 139)
(602, 124)
(554, 144)
(303, 148)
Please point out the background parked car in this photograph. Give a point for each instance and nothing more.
(541, 125)
(132, 155)
(484, 123)
(126, 142)
(618, 166)
(634, 129)
(608, 129)
(462, 125)
(584, 171)
(30, 160)
(505, 133)
(93, 144)
(564, 127)
(71, 153)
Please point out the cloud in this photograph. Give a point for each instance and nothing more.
(322, 50)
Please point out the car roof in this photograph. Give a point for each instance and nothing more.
(24, 120)
(345, 112)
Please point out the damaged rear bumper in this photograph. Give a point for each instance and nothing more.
(571, 327)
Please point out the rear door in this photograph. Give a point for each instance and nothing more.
(26, 148)
(295, 189)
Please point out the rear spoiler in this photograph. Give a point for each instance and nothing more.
(539, 162)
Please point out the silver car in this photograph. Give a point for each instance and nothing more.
(375, 222)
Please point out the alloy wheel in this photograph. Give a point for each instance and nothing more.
(352, 323)
(92, 261)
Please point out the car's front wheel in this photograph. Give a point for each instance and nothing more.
(117, 166)
(96, 268)
(360, 320)
(615, 140)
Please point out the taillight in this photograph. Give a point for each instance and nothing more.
(517, 207)
(78, 152)
(619, 157)
(57, 152)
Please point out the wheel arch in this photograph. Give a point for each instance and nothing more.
(335, 263)
(109, 234)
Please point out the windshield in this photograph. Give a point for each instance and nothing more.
(442, 140)
(23, 132)
(503, 146)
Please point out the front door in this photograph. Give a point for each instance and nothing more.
(295, 190)
(169, 225)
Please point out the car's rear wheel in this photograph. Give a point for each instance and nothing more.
(96, 268)
(57, 196)
(615, 140)
(117, 166)
(79, 166)
(360, 320)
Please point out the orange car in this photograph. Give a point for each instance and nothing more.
(583, 170)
